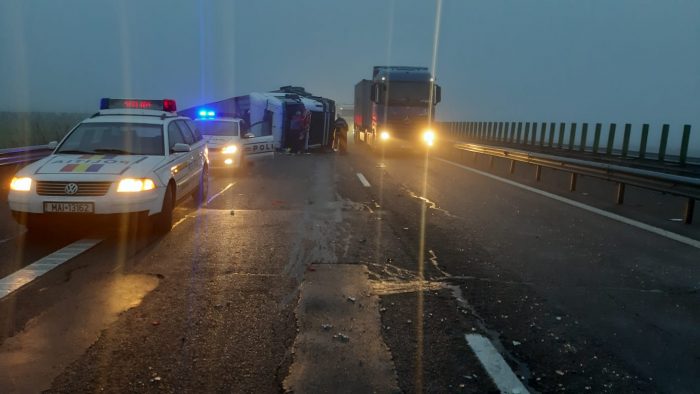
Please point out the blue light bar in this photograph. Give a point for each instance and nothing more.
(202, 113)
(211, 113)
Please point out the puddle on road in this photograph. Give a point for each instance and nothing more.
(31, 359)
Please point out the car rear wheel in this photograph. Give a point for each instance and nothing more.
(163, 222)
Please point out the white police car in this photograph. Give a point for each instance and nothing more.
(230, 146)
(132, 157)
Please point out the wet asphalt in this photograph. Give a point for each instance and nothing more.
(574, 302)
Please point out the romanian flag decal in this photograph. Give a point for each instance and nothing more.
(81, 167)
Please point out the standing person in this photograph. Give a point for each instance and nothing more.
(340, 136)
(297, 135)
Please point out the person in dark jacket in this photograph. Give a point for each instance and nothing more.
(340, 136)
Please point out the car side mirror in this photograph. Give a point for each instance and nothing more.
(180, 148)
(52, 145)
(248, 135)
(438, 94)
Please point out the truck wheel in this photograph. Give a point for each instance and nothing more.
(200, 193)
(163, 222)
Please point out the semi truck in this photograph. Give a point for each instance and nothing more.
(396, 108)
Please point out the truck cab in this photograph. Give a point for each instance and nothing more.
(396, 107)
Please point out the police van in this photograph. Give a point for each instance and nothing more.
(135, 157)
(230, 142)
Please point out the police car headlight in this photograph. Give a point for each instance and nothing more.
(229, 150)
(130, 185)
(384, 135)
(429, 137)
(22, 184)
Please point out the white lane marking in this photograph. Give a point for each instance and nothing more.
(363, 180)
(643, 226)
(27, 274)
(230, 185)
(497, 368)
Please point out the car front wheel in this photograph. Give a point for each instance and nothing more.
(163, 222)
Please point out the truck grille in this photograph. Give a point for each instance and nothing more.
(47, 188)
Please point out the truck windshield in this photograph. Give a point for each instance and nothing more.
(408, 93)
(217, 128)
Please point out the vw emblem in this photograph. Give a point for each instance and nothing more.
(71, 189)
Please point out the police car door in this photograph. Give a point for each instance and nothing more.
(256, 148)
(180, 162)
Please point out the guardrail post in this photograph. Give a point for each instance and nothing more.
(684, 144)
(664, 141)
(527, 133)
(499, 125)
(572, 136)
(689, 209)
(512, 167)
(626, 139)
(611, 139)
(488, 130)
(572, 182)
(538, 173)
(560, 140)
(643, 142)
(552, 126)
(492, 129)
(534, 133)
(512, 132)
(584, 137)
(520, 128)
(596, 137)
(620, 193)
(543, 131)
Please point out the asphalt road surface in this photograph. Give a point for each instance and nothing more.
(365, 273)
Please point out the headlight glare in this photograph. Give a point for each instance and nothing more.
(429, 137)
(21, 184)
(229, 150)
(130, 185)
(384, 135)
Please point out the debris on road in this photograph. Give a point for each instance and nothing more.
(351, 299)
(341, 337)
(516, 343)
(326, 326)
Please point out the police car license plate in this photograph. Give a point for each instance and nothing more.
(69, 207)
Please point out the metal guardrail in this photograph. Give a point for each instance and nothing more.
(683, 186)
(568, 137)
(23, 155)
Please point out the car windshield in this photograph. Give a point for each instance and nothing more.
(114, 138)
(217, 127)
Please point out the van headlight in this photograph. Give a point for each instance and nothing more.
(21, 184)
(429, 137)
(131, 185)
(229, 150)
(384, 135)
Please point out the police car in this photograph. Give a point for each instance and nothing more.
(229, 142)
(132, 157)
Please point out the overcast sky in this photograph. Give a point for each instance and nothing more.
(604, 60)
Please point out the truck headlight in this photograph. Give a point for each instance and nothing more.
(131, 185)
(384, 135)
(229, 150)
(429, 137)
(21, 184)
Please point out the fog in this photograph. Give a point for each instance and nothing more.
(531, 60)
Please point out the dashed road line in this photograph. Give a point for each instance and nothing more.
(363, 180)
(212, 198)
(494, 364)
(38, 268)
(643, 226)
